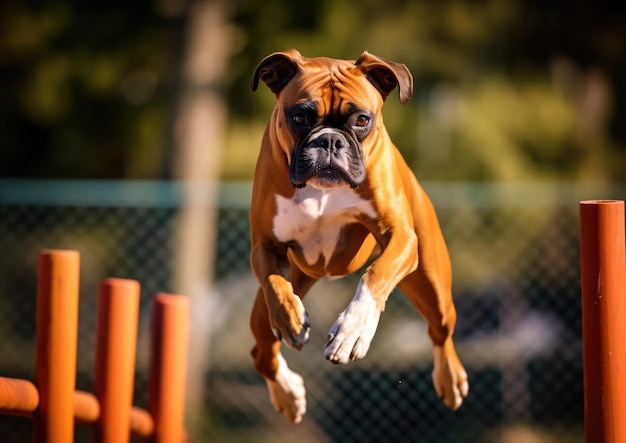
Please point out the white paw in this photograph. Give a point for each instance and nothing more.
(351, 335)
(287, 392)
(449, 378)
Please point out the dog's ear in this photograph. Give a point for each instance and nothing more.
(385, 75)
(276, 70)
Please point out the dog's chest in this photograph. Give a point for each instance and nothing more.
(314, 219)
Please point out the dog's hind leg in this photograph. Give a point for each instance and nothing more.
(429, 288)
(449, 376)
(286, 387)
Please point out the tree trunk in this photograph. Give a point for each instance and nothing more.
(198, 137)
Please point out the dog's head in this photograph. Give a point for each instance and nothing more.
(328, 113)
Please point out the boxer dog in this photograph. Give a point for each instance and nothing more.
(330, 191)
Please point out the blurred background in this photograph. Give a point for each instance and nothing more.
(128, 132)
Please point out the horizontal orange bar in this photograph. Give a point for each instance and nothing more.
(87, 411)
(86, 407)
(141, 423)
(20, 398)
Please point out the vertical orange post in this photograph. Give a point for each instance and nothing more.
(57, 326)
(603, 287)
(166, 391)
(118, 313)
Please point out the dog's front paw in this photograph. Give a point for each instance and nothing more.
(351, 335)
(287, 392)
(291, 324)
(449, 376)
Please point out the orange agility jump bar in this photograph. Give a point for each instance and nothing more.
(603, 287)
(52, 400)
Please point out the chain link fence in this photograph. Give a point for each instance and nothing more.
(515, 254)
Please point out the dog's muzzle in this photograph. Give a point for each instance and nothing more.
(331, 155)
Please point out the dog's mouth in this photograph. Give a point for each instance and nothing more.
(327, 178)
(327, 161)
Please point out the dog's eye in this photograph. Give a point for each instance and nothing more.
(299, 119)
(362, 121)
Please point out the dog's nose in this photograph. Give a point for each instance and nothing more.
(331, 141)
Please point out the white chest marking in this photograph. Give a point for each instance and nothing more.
(314, 218)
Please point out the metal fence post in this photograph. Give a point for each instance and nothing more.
(57, 330)
(603, 286)
(118, 314)
(168, 366)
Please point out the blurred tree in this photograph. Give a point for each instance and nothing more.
(199, 128)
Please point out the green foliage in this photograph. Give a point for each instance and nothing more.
(487, 105)
(504, 89)
(84, 91)
(499, 129)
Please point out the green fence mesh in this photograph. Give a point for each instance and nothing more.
(515, 255)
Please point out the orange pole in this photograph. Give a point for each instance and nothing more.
(166, 389)
(603, 287)
(118, 313)
(57, 326)
(18, 397)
